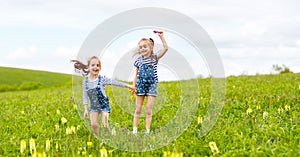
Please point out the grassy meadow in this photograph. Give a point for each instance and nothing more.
(260, 117)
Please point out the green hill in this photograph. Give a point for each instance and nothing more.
(13, 79)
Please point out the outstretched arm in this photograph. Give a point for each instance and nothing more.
(163, 51)
(117, 83)
(132, 87)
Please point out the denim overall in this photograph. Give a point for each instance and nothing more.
(146, 82)
(99, 102)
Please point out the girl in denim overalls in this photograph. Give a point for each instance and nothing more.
(145, 78)
(94, 90)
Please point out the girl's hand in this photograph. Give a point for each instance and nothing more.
(160, 33)
(86, 113)
(133, 89)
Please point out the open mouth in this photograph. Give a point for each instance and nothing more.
(95, 70)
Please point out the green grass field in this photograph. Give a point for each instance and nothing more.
(260, 117)
(13, 79)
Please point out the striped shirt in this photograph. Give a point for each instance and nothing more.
(93, 84)
(141, 60)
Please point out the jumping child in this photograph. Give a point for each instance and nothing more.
(145, 79)
(94, 90)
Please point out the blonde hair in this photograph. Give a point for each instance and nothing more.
(151, 45)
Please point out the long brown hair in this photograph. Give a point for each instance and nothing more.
(84, 69)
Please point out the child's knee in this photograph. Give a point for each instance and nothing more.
(138, 111)
(148, 112)
(95, 125)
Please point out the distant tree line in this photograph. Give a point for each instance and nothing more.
(281, 69)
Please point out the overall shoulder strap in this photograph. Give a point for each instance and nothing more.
(99, 80)
(86, 83)
(141, 59)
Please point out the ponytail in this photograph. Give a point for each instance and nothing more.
(82, 68)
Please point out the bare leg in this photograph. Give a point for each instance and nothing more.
(149, 105)
(94, 122)
(138, 110)
(105, 116)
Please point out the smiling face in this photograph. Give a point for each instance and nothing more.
(94, 66)
(145, 47)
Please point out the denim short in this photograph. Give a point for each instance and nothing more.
(146, 89)
(97, 108)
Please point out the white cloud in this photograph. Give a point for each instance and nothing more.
(66, 52)
(250, 35)
(23, 53)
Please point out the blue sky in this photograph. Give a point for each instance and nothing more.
(250, 35)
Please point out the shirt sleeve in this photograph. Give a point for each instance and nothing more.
(137, 62)
(109, 81)
(84, 92)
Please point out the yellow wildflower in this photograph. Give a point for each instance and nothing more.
(258, 107)
(103, 152)
(90, 155)
(167, 153)
(83, 152)
(200, 120)
(249, 111)
(89, 144)
(265, 114)
(287, 107)
(58, 111)
(68, 131)
(22, 112)
(73, 129)
(75, 107)
(56, 126)
(48, 145)
(56, 146)
(23, 147)
(213, 147)
(280, 109)
(63, 120)
(43, 154)
(32, 146)
(34, 154)
(176, 154)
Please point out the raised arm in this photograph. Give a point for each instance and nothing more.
(163, 51)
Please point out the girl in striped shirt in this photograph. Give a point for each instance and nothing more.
(145, 78)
